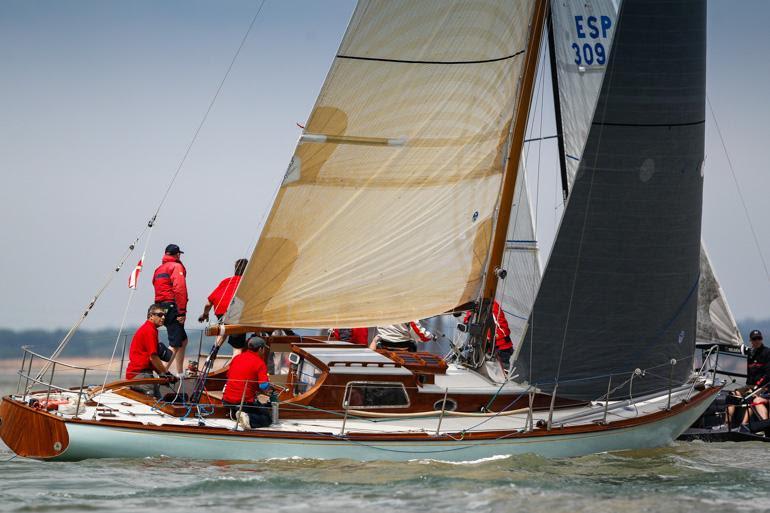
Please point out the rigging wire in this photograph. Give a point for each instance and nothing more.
(738, 188)
(151, 222)
(211, 106)
(131, 296)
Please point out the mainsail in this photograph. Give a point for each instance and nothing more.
(621, 282)
(386, 211)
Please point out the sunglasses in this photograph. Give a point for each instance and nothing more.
(158, 314)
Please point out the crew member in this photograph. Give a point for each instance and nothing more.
(757, 377)
(358, 336)
(503, 341)
(143, 356)
(169, 280)
(247, 383)
(398, 337)
(220, 299)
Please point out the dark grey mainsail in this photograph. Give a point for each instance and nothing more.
(620, 288)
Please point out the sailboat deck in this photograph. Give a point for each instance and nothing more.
(114, 407)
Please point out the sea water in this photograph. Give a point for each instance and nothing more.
(684, 477)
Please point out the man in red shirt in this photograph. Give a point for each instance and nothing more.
(503, 341)
(143, 356)
(169, 280)
(247, 381)
(220, 299)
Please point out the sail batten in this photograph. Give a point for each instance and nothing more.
(386, 210)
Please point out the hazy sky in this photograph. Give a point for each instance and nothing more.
(99, 100)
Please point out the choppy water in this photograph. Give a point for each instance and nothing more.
(685, 477)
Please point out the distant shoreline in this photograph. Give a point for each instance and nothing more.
(13, 364)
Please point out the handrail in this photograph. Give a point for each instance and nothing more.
(57, 362)
(49, 385)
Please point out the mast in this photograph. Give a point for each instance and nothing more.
(516, 145)
(557, 108)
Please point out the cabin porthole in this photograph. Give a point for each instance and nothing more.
(57, 446)
(451, 405)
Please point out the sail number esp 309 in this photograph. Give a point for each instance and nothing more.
(591, 33)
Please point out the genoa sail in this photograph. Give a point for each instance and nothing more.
(716, 324)
(621, 282)
(386, 211)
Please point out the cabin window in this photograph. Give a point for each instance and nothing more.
(307, 375)
(371, 395)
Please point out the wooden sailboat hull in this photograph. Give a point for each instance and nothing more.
(111, 439)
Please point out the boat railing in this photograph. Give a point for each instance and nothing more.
(47, 379)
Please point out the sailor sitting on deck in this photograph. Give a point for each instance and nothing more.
(398, 337)
(246, 377)
(757, 377)
(146, 354)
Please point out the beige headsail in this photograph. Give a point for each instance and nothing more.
(387, 208)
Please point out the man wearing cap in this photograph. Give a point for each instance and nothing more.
(247, 382)
(757, 376)
(169, 280)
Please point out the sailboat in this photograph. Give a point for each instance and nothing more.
(411, 155)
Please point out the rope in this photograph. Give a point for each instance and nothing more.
(131, 296)
(740, 192)
(131, 247)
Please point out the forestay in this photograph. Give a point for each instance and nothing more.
(386, 210)
(620, 288)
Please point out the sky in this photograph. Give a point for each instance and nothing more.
(99, 101)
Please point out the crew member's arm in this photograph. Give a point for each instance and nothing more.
(206, 309)
(422, 332)
(179, 286)
(157, 364)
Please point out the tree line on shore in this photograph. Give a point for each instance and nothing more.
(98, 343)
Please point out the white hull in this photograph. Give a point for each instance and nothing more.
(93, 441)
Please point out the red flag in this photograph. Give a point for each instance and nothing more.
(134, 277)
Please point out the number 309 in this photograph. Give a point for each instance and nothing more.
(588, 53)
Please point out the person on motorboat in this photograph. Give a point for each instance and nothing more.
(398, 337)
(245, 394)
(757, 380)
(220, 299)
(146, 354)
(170, 282)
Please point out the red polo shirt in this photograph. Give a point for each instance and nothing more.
(222, 296)
(143, 346)
(245, 367)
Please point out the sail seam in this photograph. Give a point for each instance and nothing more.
(651, 125)
(406, 61)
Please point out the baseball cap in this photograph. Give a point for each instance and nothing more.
(256, 343)
(173, 249)
(755, 334)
